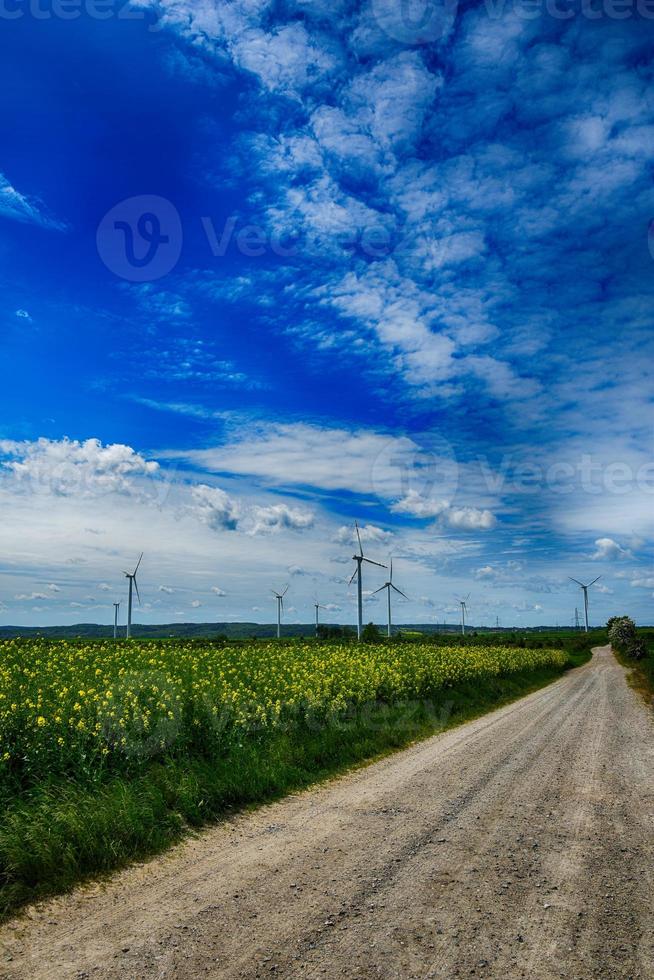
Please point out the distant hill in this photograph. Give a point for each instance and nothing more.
(233, 631)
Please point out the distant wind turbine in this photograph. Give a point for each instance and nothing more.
(388, 586)
(464, 609)
(317, 606)
(116, 608)
(585, 589)
(280, 608)
(132, 583)
(359, 559)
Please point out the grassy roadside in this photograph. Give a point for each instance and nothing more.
(640, 672)
(63, 832)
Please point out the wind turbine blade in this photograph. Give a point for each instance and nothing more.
(356, 524)
(285, 591)
(353, 575)
(379, 590)
(138, 563)
(377, 563)
(576, 580)
(137, 590)
(398, 590)
(390, 577)
(593, 582)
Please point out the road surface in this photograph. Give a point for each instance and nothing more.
(518, 845)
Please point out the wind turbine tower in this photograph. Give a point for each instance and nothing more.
(116, 608)
(317, 606)
(359, 559)
(280, 608)
(388, 586)
(131, 576)
(464, 609)
(585, 589)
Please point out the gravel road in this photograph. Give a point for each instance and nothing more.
(518, 845)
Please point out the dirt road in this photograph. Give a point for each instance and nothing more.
(518, 845)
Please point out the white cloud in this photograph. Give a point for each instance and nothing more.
(469, 519)
(278, 516)
(18, 207)
(643, 583)
(285, 60)
(196, 604)
(68, 467)
(32, 596)
(609, 550)
(369, 533)
(299, 453)
(215, 508)
(418, 506)
(167, 589)
(217, 591)
(487, 572)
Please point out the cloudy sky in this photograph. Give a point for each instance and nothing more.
(268, 267)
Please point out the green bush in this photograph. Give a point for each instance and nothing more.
(637, 650)
(622, 633)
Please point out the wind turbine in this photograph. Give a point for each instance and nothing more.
(132, 582)
(585, 589)
(359, 559)
(317, 606)
(116, 608)
(389, 585)
(280, 608)
(464, 609)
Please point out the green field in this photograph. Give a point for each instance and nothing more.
(110, 751)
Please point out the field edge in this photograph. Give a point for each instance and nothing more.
(65, 835)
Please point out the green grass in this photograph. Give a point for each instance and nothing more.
(61, 832)
(642, 671)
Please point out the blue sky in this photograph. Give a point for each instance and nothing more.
(388, 262)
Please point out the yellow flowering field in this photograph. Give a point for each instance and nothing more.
(86, 709)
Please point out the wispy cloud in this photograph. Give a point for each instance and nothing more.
(19, 207)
